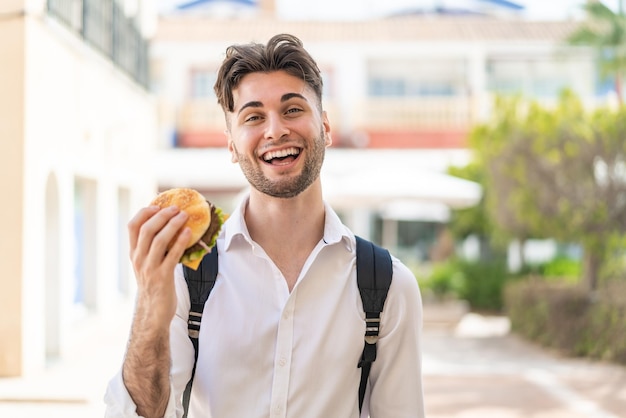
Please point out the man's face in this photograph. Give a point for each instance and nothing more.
(277, 133)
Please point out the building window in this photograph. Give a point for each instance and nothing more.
(202, 82)
(539, 78)
(385, 87)
(417, 78)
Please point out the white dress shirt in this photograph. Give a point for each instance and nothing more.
(266, 352)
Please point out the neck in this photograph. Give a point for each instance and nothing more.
(286, 225)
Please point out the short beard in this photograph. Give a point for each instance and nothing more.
(289, 187)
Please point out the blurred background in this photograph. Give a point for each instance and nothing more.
(482, 141)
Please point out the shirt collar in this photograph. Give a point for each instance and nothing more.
(236, 225)
(334, 230)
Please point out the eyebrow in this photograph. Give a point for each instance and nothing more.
(285, 97)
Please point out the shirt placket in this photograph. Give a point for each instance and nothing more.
(282, 361)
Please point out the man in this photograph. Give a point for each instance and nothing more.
(282, 330)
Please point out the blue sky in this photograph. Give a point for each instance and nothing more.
(534, 9)
(363, 9)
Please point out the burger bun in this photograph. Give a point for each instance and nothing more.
(194, 204)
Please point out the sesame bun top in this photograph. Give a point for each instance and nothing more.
(194, 204)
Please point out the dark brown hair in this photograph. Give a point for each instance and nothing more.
(282, 52)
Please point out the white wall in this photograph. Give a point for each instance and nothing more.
(86, 124)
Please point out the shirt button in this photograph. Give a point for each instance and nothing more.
(282, 362)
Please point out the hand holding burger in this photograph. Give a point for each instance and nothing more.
(204, 220)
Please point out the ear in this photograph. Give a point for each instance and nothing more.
(231, 147)
(326, 124)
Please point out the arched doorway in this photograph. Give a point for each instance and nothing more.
(52, 277)
(85, 241)
(123, 216)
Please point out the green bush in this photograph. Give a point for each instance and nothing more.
(563, 268)
(565, 317)
(604, 338)
(479, 283)
(444, 281)
(484, 284)
(558, 269)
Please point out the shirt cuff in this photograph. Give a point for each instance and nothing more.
(119, 404)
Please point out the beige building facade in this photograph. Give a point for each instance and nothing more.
(77, 129)
(402, 95)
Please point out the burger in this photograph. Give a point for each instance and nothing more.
(204, 220)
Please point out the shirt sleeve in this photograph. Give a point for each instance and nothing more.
(395, 385)
(118, 401)
(119, 404)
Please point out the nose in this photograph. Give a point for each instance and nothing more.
(276, 127)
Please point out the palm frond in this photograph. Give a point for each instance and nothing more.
(597, 10)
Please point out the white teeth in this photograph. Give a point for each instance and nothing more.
(280, 153)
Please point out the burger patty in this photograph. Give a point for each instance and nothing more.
(214, 227)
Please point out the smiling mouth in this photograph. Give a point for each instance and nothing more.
(281, 157)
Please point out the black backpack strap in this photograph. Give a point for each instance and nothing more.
(200, 282)
(373, 272)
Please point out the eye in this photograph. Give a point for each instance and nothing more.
(251, 118)
(293, 110)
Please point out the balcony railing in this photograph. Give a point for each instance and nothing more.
(416, 113)
(103, 25)
(207, 115)
(200, 115)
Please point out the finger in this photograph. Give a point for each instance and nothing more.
(137, 221)
(165, 236)
(152, 227)
(178, 249)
